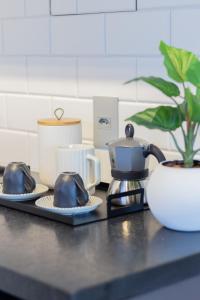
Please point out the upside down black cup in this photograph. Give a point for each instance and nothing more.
(69, 191)
(17, 179)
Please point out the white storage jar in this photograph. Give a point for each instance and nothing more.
(55, 133)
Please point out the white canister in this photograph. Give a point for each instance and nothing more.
(55, 133)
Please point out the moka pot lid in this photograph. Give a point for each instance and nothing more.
(129, 140)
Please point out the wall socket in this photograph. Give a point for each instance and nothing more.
(106, 120)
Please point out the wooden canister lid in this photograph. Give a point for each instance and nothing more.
(55, 122)
(58, 121)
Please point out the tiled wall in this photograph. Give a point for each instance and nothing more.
(50, 61)
(66, 7)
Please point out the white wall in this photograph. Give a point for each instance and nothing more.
(49, 61)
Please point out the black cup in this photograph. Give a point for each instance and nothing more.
(69, 191)
(17, 179)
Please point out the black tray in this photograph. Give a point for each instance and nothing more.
(100, 214)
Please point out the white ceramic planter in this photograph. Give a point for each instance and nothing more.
(173, 195)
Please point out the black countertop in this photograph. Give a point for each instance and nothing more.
(115, 259)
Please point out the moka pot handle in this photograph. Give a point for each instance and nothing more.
(155, 151)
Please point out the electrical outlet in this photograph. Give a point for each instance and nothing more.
(104, 123)
(106, 120)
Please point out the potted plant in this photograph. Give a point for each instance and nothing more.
(173, 191)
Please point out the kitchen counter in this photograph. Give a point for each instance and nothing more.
(116, 259)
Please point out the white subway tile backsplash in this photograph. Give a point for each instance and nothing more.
(137, 33)
(13, 74)
(63, 7)
(106, 77)
(37, 7)
(94, 6)
(103, 155)
(26, 36)
(33, 151)
(52, 75)
(75, 108)
(127, 109)
(1, 38)
(185, 34)
(14, 146)
(11, 9)
(142, 4)
(24, 111)
(83, 56)
(78, 35)
(66, 7)
(151, 67)
(169, 155)
(2, 112)
(172, 155)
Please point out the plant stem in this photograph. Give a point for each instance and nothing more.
(174, 100)
(176, 143)
(197, 150)
(196, 130)
(188, 154)
(180, 114)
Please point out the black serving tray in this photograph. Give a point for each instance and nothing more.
(100, 214)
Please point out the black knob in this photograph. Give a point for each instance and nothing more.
(129, 131)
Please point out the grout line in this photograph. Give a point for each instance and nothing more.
(17, 130)
(81, 98)
(136, 5)
(6, 112)
(51, 106)
(170, 26)
(136, 83)
(176, 7)
(50, 37)
(77, 76)
(25, 17)
(197, 6)
(2, 38)
(27, 75)
(94, 13)
(50, 8)
(105, 35)
(92, 56)
(25, 12)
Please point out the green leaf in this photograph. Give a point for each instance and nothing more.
(177, 61)
(166, 87)
(193, 103)
(165, 118)
(183, 109)
(198, 92)
(193, 74)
